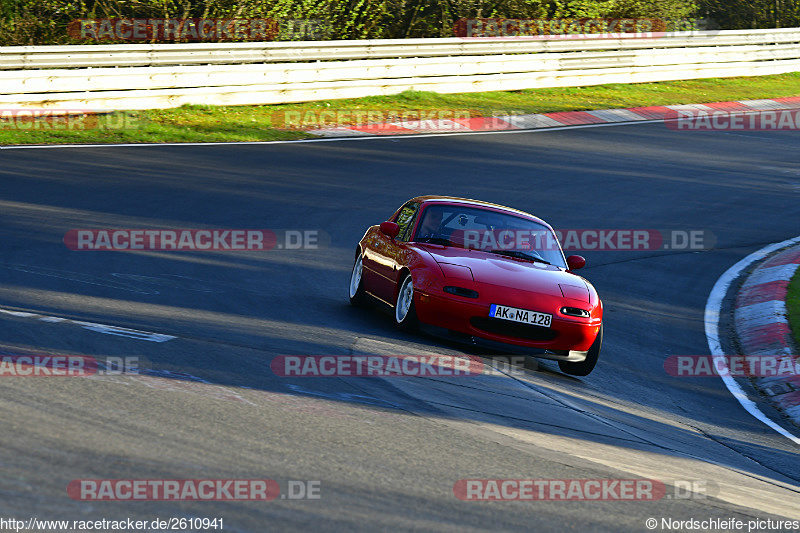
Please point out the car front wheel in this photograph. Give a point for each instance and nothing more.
(405, 316)
(587, 365)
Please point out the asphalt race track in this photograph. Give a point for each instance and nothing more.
(386, 452)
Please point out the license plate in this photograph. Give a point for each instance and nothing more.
(520, 315)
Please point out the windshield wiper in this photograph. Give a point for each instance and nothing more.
(519, 255)
(435, 240)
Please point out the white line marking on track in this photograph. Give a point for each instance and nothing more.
(124, 332)
(53, 319)
(19, 314)
(712, 315)
(93, 326)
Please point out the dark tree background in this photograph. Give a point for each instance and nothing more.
(37, 22)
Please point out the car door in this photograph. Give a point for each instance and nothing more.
(383, 256)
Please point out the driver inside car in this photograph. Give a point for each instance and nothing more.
(431, 225)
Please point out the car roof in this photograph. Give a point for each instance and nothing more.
(478, 203)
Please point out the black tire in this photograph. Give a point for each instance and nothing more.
(357, 294)
(585, 367)
(405, 314)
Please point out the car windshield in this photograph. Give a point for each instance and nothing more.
(490, 231)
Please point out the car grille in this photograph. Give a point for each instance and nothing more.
(507, 328)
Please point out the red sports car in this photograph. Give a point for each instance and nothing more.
(483, 271)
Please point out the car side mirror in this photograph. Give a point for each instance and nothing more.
(390, 229)
(575, 262)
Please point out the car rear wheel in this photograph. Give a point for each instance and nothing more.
(357, 295)
(405, 316)
(587, 365)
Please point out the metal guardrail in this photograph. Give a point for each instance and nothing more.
(142, 76)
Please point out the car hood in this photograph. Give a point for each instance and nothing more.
(503, 271)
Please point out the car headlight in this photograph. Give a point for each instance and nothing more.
(575, 311)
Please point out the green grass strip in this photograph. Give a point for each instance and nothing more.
(262, 123)
(793, 306)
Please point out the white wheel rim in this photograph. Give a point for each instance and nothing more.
(404, 299)
(355, 278)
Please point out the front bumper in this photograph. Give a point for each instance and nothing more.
(471, 317)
